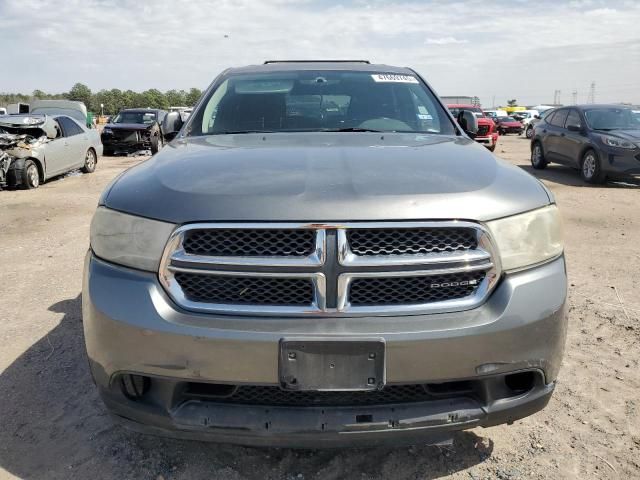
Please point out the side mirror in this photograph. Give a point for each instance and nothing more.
(468, 122)
(171, 125)
(574, 128)
(537, 116)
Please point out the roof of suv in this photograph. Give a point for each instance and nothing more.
(274, 66)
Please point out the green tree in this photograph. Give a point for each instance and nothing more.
(176, 98)
(193, 96)
(512, 103)
(81, 93)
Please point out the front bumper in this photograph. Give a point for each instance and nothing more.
(135, 142)
(618, 163)
(131, 326)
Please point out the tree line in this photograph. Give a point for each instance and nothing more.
(113, 100)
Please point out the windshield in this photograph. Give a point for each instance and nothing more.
(311, 101)
(612, 119)
(145, 118)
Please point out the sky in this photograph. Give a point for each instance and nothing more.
(493, 49)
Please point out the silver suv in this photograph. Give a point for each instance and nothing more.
(323, 257)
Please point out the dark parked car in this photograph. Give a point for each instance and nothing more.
(323, 257)
(508, 125)
(601, 140)
(133, 130)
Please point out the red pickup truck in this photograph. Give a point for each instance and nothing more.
(487, 133)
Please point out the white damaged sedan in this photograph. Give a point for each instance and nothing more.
(34, 148)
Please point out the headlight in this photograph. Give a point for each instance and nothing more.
(129, 240)
(108, 131)
(617, 142)
(528, 239)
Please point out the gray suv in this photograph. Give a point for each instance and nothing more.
(323, 257)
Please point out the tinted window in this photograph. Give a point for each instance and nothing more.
(324, 100)
(146, 118)
(558, 118)
(70, 127)
(574, 118)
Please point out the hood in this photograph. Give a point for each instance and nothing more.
(128, 126)
(33, 125)
(511, 123)
(324, 177)
(485, 121)
(633, 135)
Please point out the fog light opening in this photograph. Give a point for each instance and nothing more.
(134, 386)
(520, 383)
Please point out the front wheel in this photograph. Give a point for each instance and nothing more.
(156, 143)
(591, 168)
(537, 157)
(30, 175)
(90, 162)
(492, 147)
(529, 132)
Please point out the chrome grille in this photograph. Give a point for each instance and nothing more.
(243, 290)
(381, 268)
(397, 241)
(250, 242)
(413, 289)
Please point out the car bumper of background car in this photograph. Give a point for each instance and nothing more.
(192, 363)
(487, 141)
(620, 163)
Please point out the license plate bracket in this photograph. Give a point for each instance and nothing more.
(332, 365)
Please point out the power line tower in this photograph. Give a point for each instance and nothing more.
(574, 96)
(592, 93)
(556, 97)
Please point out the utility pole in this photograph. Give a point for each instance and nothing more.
(574, 96)
(556, 97)
(592, 93)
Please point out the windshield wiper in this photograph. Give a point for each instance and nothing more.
(231, 132)
(604, 129)
(350, 129)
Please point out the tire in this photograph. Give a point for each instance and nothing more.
(107, 152)
(90, 161)
(156, 143)
(492, 147)
(30, 175)
(591, 168)
(537, 157)
(529, 132)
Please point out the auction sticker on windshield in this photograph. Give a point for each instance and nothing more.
(393, 77)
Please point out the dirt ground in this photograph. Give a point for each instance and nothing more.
(52, 424)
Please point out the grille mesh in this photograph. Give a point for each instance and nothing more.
(483, 130)
(398, 241)
(250, 242)
(413, 290)
(274, 396)
(246, 290)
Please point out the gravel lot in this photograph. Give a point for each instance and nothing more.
(52, 424)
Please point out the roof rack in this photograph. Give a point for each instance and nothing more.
(317, 61)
